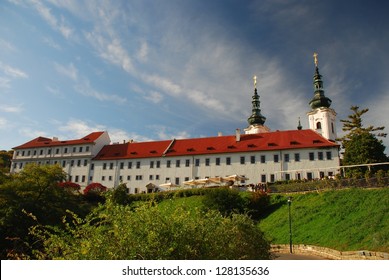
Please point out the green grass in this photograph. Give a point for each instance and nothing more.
(353, 219)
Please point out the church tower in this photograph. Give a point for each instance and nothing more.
(321, 118)
(256, 120)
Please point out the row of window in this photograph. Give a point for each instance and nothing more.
(207, 161)
(56, 151)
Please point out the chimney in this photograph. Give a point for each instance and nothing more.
(219, 134)
(55, 138)
(237, 134)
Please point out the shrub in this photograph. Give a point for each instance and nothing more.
(70, 186)
(94, 192)
(224, 200)
(114, 231)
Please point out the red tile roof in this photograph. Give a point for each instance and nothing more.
(48, 142)
(133, 150)
(278, 140)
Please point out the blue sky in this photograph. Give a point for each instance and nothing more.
(150, 70)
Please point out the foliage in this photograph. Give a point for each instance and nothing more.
(363, 148)
(351, 219)
(33, 190)
(361, 143)
(115, 231)
(70, 186)
(5, 160)
(226, 201)
(120, 194)
(94, 192)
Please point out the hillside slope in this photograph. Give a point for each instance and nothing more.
(352, 219)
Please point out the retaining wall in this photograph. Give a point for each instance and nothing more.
(330, 253)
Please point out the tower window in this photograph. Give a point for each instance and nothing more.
(332, 128)
(318, 125)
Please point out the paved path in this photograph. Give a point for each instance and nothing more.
(279, 256)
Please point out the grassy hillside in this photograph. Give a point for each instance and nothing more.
(353, 219)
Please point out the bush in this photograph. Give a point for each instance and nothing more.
(224, 200)
(118, 232)
(94, 192)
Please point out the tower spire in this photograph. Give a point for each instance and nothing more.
(319, 99)
(256, 117)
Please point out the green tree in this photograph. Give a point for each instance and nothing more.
(34, 190)
(361, 144)
(114, 231)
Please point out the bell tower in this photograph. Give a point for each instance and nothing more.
(256, 120)
(321, 118)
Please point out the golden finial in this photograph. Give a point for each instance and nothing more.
(315, 59)
(255, 81)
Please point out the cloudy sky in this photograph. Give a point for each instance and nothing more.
(150, 70)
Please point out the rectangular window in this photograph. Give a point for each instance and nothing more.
(128, 177)
(186, 179)
(111, 165)
(276, 158)
(137, 164)
(158, 164)
(177, 181)
(263, 178)
(85, 162)
(110, 178)
(66, 150)
(72, 162)
(242, 160)
(228, 161)
(150, 177)
(129, 166)
(296, 157)
(87, 149)
(178, 162)
(320, 155)
(35, 153)
(121, 165)
(287, 176)
(156, 177)
(263, 159)
(136, 190)
(28, 153)
(22, 153)
(168, 162)
(74, 149)
(76, 179)
(120, 178)
(41, 152)
(309, 175)
(63, 163)
(83, 179)
(57, 151)
(197, 162)
(104, 166)
(252, 159)
(187, 162)
(207, 160)
(80, 150)
(152, 164)
(311, 156)
(272, 178)
(48, 151)
(329, 155)
(79, 162)
(286, 157)
(218, 161)
(92, 166)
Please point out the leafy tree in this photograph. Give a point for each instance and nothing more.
(361, 144)
(34, 190)
(224, 200)
(5, 159)
(114, 231)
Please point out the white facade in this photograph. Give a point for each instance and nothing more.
(323, 121)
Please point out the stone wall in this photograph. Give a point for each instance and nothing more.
(330, 253)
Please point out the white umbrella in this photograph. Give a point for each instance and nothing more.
(169, 185)
(236, 178)
(192, 182)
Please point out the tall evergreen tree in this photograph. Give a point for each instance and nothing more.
(361, 144)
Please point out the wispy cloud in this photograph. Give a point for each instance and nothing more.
(12, 72)
(3, 123)
(69, 71)
(55, 23)
(11, 109)
(6, 45)
(86, 89)
(5, 82)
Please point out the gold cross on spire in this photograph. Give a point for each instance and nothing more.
(255, 81)
(315, 59)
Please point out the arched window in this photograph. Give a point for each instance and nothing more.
(318, 125)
